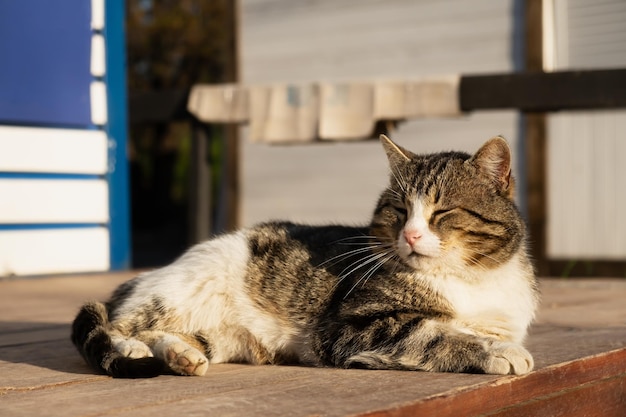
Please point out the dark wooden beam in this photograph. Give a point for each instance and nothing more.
(158, 106)
(200, 184)
(228, 210)
(535, 91)
(531, 91)
(534, 135)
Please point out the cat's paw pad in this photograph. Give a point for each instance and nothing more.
(132, 348)
(509, 358)
(186, 360)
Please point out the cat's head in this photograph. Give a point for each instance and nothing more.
(450, 211)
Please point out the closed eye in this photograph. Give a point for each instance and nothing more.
(439, 214)
(402, 211)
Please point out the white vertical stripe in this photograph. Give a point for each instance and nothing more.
(98, 61)
(99, 113)
(97, 14)
(35, 252)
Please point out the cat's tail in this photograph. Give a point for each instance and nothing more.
(91, 337)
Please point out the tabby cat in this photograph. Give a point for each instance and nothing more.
(439, 281)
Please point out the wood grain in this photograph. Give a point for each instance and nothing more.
(574, 388)
(578, 341)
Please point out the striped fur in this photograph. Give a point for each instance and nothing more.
(438, 281)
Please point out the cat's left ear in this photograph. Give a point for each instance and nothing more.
(493, 160)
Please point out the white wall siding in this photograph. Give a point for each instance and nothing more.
(586, 170)
(53, 201)
(36, 252)
(68, 151)
(300, 40)
(586, 183)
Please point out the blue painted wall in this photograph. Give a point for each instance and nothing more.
(45, 54)
(45, 81)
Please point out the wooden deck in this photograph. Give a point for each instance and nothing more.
(579, 345)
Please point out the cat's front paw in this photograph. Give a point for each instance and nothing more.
(186, 360)
(508, 358)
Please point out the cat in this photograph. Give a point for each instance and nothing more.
(439, 281)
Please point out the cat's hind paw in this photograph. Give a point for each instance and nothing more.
(186, 360)
(508, 358)
(132, 348)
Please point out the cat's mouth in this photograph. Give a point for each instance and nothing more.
(416, 259)
(413, 253)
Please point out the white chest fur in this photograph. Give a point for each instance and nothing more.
(500, 304)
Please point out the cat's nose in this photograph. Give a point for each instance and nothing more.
(412, 236)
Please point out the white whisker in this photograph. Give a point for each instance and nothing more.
(370, 272)
(346, 255)
(365, 261)
(400, 183)
(360, 263)
(353, 238)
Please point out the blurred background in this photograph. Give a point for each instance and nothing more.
(287, 41)
(175, 44)
(188, 180)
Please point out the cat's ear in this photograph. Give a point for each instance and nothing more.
(395, 153)
(493, 160)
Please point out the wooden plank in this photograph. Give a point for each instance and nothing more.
(268, 390)
(28, 303)
(35, 366)
(46, 251)
(31, 333)
(598, 381)
(541, 92)
(579, 345)
(71, 151)
(527, 91)
(238, 390)
(604, 398)
(26, 201)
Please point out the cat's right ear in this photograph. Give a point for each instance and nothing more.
(395, 153)
(493, 160)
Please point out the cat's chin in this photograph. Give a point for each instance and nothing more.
(417, 260)
(435, 265)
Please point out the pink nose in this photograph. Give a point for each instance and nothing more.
(412, 236)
